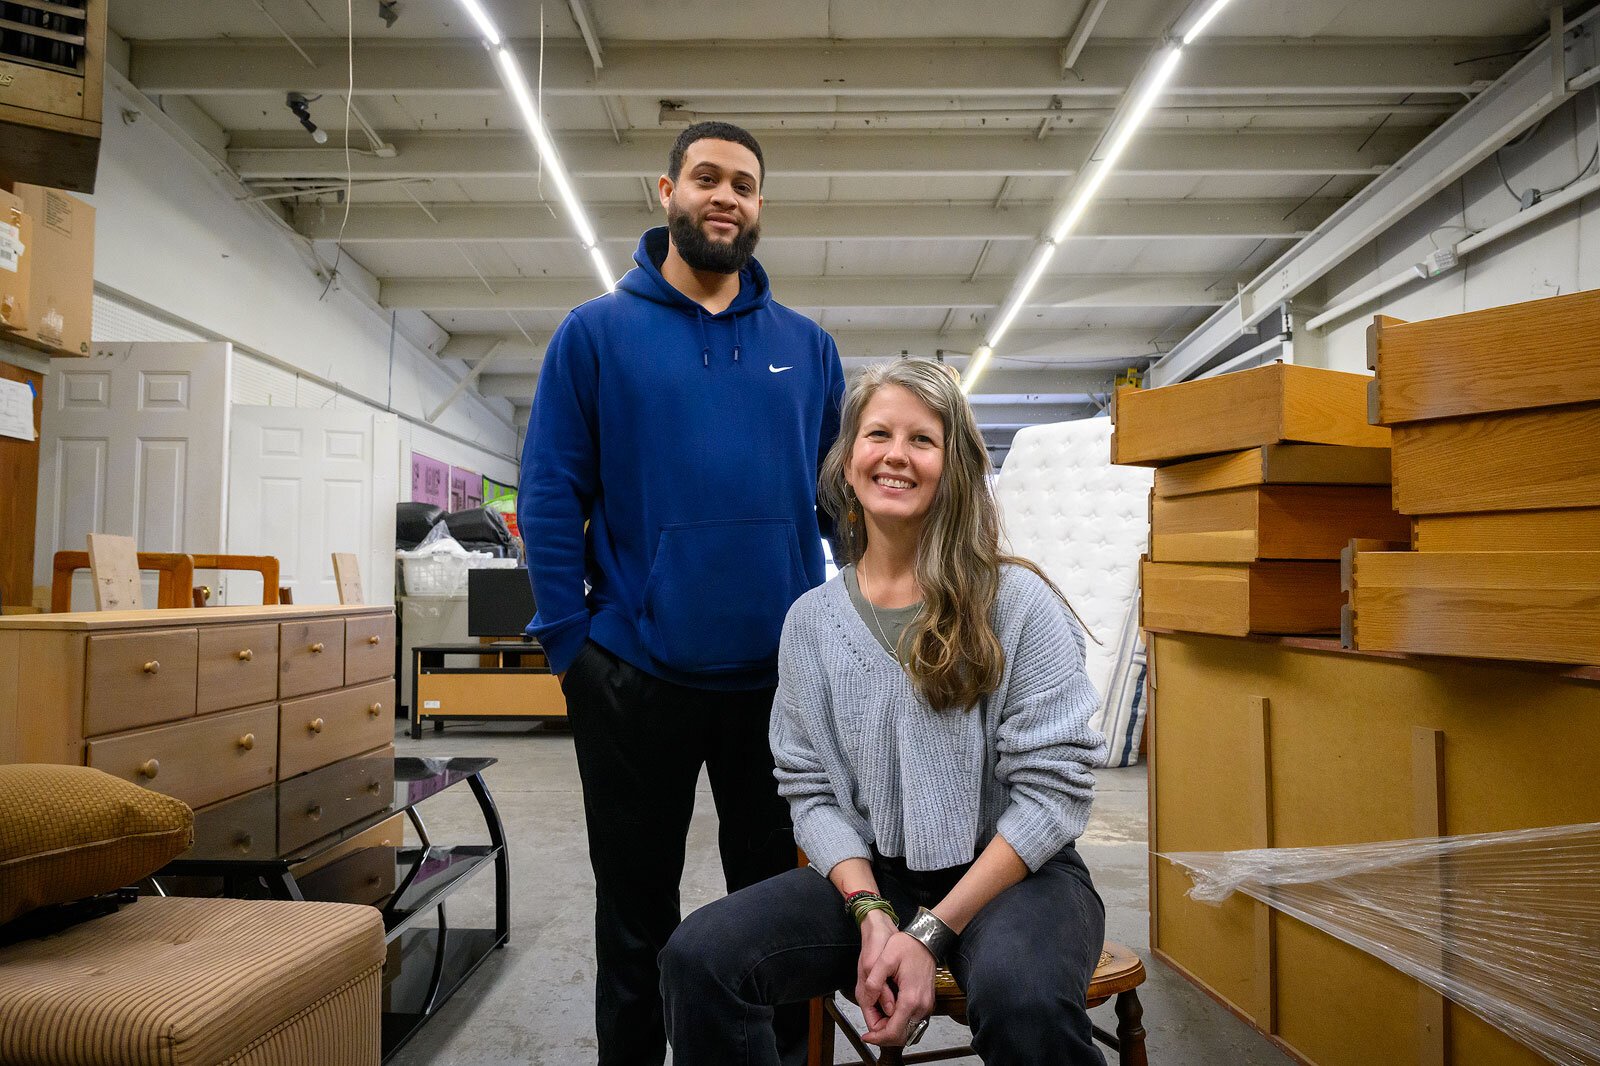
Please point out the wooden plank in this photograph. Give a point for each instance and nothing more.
(1271, 522)
(114, 567)
(97, 621)
(1427, 777)
(1268, 405)
(1276, 464)
(1534, 607)
(1260, 716)
(1524, 461)
(1516, 531)
(10, 678)
(19, 497)
(1238, 599)
(347, 574)
(489, 694)
(1541, 353)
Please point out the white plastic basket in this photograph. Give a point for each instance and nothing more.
(435, 574)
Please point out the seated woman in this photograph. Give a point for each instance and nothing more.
(931, 732)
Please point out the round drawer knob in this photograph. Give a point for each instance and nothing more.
(314, 812)
(317, 647)
(374, 640)
(248, 741)
(245, 655)
(243, 841)
(375, 787)
(152, 667)
(375, 710)
(151, 768)
(315, 725)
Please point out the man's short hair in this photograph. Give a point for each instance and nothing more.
(713, 131)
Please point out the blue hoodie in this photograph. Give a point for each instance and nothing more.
(690, 443)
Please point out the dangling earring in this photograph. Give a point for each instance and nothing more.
(850, 507)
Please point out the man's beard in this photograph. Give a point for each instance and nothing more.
(703, 253)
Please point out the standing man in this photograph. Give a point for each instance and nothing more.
(683, 418)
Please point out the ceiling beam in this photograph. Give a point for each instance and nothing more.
(481, 154)
(832, 293)
(1115, 220)
(742, 71)
(1015, 384)
(1519, 99)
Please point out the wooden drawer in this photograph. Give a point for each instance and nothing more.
(136, 679)
(310, 657)
(368, 648)
(1276, 464)
(325, 801)
(1271, 522)
(238, 666)
(363, 876)
(1235, 600)
(1271, 404)
(244, 827)
(200, 761)
(1520, 461)
(323, 729)
(1577, 530)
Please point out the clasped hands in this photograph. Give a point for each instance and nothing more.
(894, 981)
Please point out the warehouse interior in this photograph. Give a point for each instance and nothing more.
(1280, 322)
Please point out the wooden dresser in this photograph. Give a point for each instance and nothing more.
(202, 703)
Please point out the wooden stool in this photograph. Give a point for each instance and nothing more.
(1119, 973)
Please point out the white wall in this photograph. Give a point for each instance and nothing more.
(172, 237)
(1555, 255)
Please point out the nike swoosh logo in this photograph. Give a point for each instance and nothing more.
(778, 369)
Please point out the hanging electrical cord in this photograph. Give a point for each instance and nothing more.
(349, 177)
(1538, 194)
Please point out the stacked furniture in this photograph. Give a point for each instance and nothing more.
(1495, 416)
(1286, 741)
(203, 704)
(1263, 477)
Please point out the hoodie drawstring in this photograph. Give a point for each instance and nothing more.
(735, 338)
(705, 342)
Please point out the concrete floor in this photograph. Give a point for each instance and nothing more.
(532, 1003)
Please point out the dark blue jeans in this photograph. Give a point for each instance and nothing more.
(1025, 963)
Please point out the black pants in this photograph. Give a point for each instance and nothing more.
(1025, 962)
(640, 744)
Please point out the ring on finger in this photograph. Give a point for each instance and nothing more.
(916, 1032)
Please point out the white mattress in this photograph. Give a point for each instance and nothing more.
(1085, 522)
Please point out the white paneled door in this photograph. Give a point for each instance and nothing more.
(134, 441)
(307, 483)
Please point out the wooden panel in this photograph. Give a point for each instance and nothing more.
(1427, 782)
(319, 730)
(441, 695)
(200, 761)
(324, 801)
(1238, 599)
(1523, 742)
(50, 697)
(10, 677)
(1535, 354)
(1271, 522)
(97, 621)
(310, 657)
(238, 666)
(1268, 405)
(244, 826)
(1525, 461)
(347, 574)
(1520, 531)
(1538, 607)
(1276, 464)
(368, 648)
(19, 498)
(114, 568)
(139, 678)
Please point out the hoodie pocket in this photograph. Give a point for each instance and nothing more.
(718, 592)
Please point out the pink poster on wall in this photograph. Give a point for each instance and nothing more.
(466, 489)
(430, 480)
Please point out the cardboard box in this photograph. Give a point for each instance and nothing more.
(15, 267)
(60, 257)
(1273, 404)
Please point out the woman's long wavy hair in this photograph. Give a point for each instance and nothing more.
(951, 652)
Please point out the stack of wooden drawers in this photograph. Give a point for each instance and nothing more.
(209, 704)
(1263, 477)
(1496, 423)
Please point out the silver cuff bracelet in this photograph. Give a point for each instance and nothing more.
(931, 933)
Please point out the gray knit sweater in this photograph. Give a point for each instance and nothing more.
(865, 761)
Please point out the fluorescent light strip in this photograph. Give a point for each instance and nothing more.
(1099, 170)
(517, 85)
(1205, 20)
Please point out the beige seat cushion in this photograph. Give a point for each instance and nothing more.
(67, 832)
(179, 982)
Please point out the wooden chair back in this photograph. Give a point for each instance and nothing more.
(174, 570)
(265, 565)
